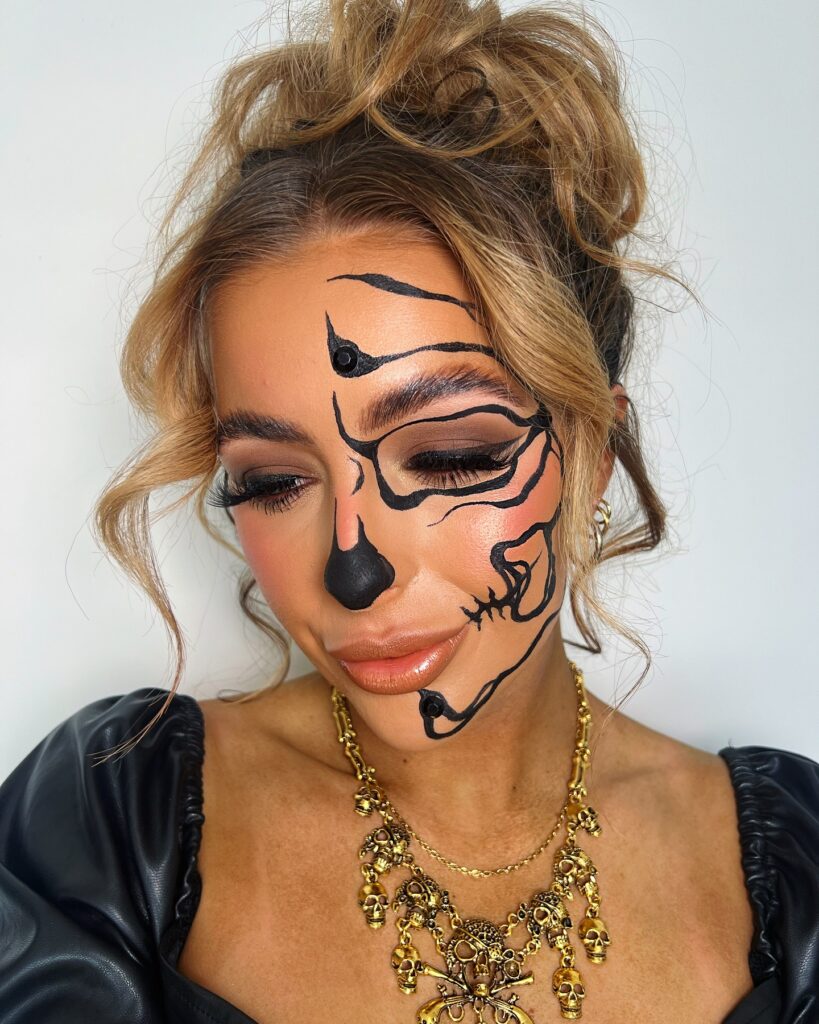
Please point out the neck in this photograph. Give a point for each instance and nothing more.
(493, 790)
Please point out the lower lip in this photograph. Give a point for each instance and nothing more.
(407, 673)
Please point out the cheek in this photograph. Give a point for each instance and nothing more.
(483, 526)
(274, 556)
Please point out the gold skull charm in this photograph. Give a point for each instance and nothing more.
(475, 949)
(406, 964)
(423, 898)
(367, 799)
(595, 937)
(372, 898)
(389, 844)
(574, 867)
(567, 985)
(547, 917)
(583, 816)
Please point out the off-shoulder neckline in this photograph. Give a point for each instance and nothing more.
(757, 866)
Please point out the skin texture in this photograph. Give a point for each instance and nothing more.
(278, 932)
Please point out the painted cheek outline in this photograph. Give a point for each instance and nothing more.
(432, 704)
(517, 576)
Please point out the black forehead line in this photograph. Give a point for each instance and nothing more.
(348, 359)
(391, 284)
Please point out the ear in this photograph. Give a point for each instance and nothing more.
(606, 464)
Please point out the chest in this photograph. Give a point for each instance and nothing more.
(279, 933)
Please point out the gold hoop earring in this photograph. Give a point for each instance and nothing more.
(599, 526)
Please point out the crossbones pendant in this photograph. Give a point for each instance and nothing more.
(479, 967)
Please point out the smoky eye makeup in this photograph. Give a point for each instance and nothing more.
(457, 466)
(272, 492)
(451, 463)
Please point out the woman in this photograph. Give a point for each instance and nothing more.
(390, 342)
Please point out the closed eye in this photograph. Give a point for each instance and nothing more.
(454, 468)
(272, 493)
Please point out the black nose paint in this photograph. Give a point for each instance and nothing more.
(357, 576)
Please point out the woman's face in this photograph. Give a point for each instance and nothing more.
(393, 489)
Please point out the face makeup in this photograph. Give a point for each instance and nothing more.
(391, 478)
(406, 672)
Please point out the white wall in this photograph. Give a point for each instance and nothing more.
(94, 96)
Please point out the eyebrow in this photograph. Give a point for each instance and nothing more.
(418, 392)
(396, 404)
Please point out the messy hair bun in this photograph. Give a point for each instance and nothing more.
(502, 136)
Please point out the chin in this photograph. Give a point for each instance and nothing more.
(394, 718)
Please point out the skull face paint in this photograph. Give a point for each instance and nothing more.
(385, 473)
(516, 575)
(357, 576)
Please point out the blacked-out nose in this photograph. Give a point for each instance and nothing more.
(357, 576)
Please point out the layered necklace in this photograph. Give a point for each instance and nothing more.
(479, 972)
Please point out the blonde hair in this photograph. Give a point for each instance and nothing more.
(503, 137)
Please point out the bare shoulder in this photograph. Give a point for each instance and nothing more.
(668, 810)
(281, 731)
(632, 761)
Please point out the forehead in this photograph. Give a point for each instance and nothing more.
(269, 324)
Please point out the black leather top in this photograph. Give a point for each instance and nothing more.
(99, 884)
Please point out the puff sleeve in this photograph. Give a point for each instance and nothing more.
(777, 793)
(89, 862)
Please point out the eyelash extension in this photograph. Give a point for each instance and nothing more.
(270, 493)
(457, 468)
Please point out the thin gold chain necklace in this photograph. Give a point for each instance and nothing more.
(479, 968)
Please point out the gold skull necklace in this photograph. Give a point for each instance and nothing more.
(480, 971)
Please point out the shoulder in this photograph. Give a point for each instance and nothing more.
(771, 770)
(102, 724)
(65, 772)
(90, 856)
(777, 794)
(63, 790)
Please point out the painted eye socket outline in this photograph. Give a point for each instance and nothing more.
(539, 422)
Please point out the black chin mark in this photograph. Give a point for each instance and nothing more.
(357, 576)
(433, 705)
(348, 360)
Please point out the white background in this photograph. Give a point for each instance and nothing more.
(98, 98)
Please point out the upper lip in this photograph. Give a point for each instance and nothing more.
(393, 645)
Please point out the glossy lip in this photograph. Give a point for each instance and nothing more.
(407, 672)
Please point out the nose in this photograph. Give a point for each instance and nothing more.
(356, 576)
